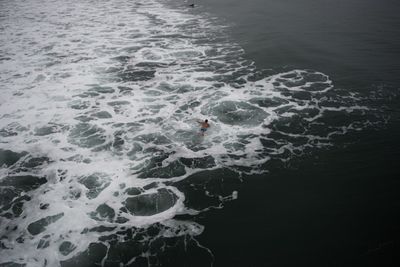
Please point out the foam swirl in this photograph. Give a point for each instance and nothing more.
(98, 131)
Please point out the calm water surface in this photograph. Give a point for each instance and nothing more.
(338, 207)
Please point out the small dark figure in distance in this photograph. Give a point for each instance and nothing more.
(191, 5)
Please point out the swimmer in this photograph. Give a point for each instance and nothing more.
(204, 125)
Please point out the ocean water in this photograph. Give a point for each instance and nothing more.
(102, 163)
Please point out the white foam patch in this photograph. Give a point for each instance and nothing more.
(110, 93)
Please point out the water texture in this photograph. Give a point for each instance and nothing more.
(100, 147)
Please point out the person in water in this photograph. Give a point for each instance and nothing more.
(204, 125)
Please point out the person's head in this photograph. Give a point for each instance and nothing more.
(206, 120)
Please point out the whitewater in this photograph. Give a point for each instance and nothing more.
(98, 109)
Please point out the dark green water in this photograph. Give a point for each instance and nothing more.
(102, 164)
(354, 41)
(337, 207)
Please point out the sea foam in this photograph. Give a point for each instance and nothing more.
(98, 109)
